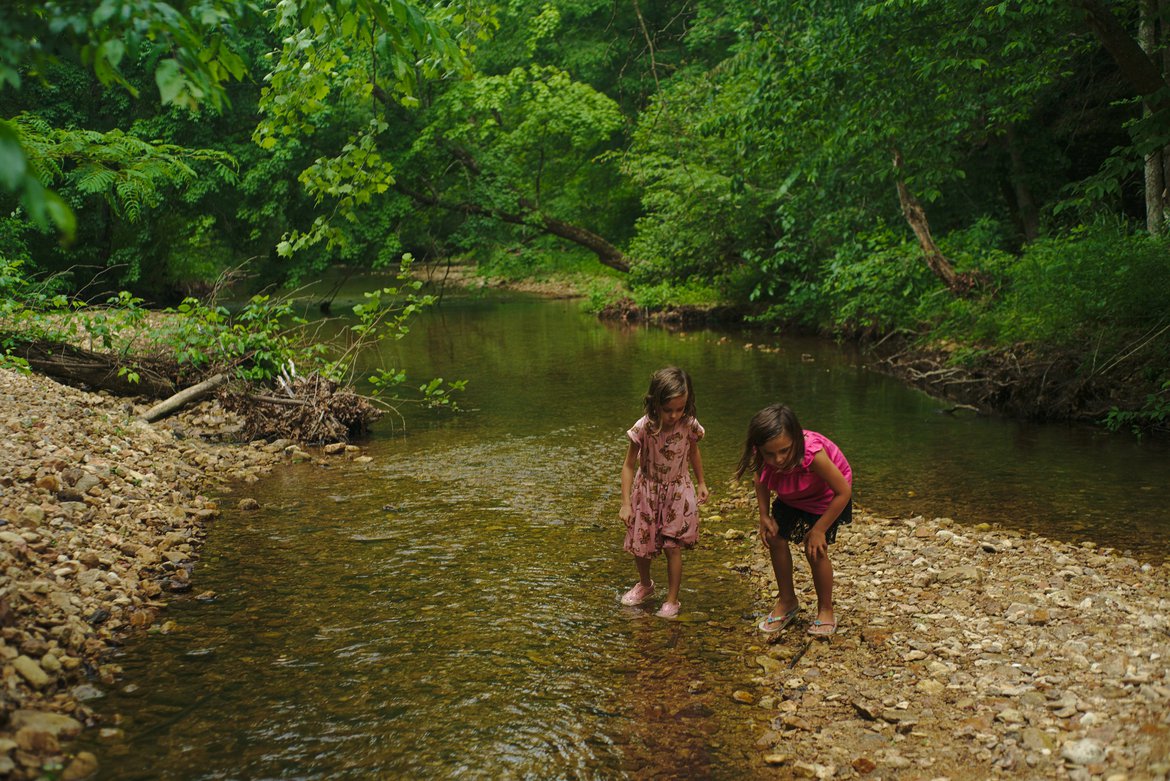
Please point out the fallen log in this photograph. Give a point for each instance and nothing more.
(183, 398)
(98, 371)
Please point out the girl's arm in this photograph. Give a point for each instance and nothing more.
(696, 460)
(768, 525)
(628, 469)
(814, 543)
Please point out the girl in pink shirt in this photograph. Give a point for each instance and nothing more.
(813, 484)
(660, 504)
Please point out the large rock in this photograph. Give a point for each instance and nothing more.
(58, 725)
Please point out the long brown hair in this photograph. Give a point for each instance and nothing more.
(666, 384)
(772, 421)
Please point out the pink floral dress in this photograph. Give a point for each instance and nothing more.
(662, 497)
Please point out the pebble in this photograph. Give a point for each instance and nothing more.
(89, 545)
(1009, 658)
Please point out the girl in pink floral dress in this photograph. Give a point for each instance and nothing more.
(660, 504)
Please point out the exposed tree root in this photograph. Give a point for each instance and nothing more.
(1014, 381)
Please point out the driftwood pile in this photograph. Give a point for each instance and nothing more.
(305, 409)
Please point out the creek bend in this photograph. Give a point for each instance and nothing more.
(450, 609)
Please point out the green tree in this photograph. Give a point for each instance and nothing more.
(524, 147)
(188, 48)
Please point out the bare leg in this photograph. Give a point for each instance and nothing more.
(822, 575)
(673, 572)
(643, 565)
(782, 567)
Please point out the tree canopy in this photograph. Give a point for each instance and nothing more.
(856, 165)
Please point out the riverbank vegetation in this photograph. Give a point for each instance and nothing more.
(977, 190)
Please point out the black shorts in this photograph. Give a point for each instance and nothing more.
(794, 523)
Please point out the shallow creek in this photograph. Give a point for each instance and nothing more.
(450, 609)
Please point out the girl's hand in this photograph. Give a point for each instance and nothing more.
(701, 492)
(815, 545)
(768, 527)
(626, 514)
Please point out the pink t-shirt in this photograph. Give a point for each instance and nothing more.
(800, 487)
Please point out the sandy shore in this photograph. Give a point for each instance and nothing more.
(964, 651)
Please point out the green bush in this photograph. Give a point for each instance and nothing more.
(665, 294)
(1098, 283)
(879, 283)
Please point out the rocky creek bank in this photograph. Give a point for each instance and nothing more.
(101, 519)
(963, 652)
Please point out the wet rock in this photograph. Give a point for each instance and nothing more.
(56, 724)
(82, 766)
(777, 758)
(31, 671)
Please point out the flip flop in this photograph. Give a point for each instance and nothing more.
(780, 621)
(815, 626)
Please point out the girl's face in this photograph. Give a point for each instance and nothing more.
(672, 410)
(777, 451)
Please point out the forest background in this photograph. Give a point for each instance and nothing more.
(977, 190)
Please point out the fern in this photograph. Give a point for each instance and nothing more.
(93, 179)
(130, 174)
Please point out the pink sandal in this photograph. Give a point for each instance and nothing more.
(638, 594)
(668, 609)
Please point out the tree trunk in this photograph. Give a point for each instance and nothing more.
(75, 366)
(1025, 204)
(1155, 187)
(916, 216)
(1164, 18)
(608, 254)
(1135, 65)
(183, 398)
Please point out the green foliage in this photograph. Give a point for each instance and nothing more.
(192, 56)
(263, 343)
(129, 174)
(878, 283)
(540, 260)
(665, 294)
(348, 64)
(385, 314)
(703, 214)
(255, 344)
(1097, 280)
(1153, 417)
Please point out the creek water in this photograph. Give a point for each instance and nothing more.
(450, 610)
